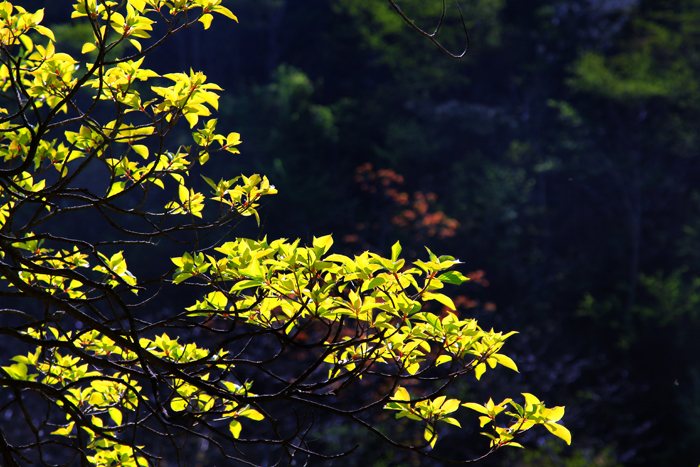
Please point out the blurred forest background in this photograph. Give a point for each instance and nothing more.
(559, 160)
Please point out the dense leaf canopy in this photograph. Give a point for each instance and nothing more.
(279, 337)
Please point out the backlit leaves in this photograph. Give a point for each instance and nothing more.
(523, 418)
(427, 411)
(282, 286)
(114, 371)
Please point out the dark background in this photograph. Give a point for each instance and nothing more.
(558, 160)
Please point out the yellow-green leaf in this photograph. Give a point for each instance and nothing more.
(235, 428)
(443, 359)
(233, 139)
(88, 47)
(136, 44)
(116, 188)
(324, 243)
(192, 119)
(141, 150)
(450, 406)
(206, 20)
(474, 406)
(531, 398)
(560, 431)
(225, 11)
(442, 298)
(116, 415)
(96, 398)
(395, 251)
(138, 4)
(252, 414)
(401, 395)
(65, 431)
(431, 436)
(506, 361)
(44, 31)
(451, 421)
(555, 414)
(479, 370)
(178, 404)
(453, 277)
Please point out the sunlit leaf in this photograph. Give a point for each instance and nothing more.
(65, 431)
(559, 430)
(395, 251)
(479, 370)
(116, 415)
(235, 427)
(479, 408)
(453, 277)
(88, 47)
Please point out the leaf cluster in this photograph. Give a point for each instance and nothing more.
(115, 382)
